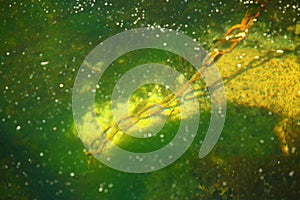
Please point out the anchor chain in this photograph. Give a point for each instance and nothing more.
(233, 36)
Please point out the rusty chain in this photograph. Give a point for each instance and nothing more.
(233, 36)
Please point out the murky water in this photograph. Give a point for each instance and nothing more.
(43, 44)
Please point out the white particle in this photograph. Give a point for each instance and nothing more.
(72, 174)
(61, 85)
(41, 154)
(279, 51)
(136, 21)
(261, 141)
(292, 173)
(18, 127)
(293, 150)
(45, 63)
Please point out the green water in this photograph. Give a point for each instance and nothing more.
(43, 44)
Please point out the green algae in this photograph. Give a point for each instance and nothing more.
(250, 160)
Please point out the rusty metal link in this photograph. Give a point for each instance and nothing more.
(233, 36)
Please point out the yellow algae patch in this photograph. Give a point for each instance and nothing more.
(273, 84)
(269, 81)
(295, 29)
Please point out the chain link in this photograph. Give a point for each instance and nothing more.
(234, 35)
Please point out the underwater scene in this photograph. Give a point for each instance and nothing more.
(62, 136)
